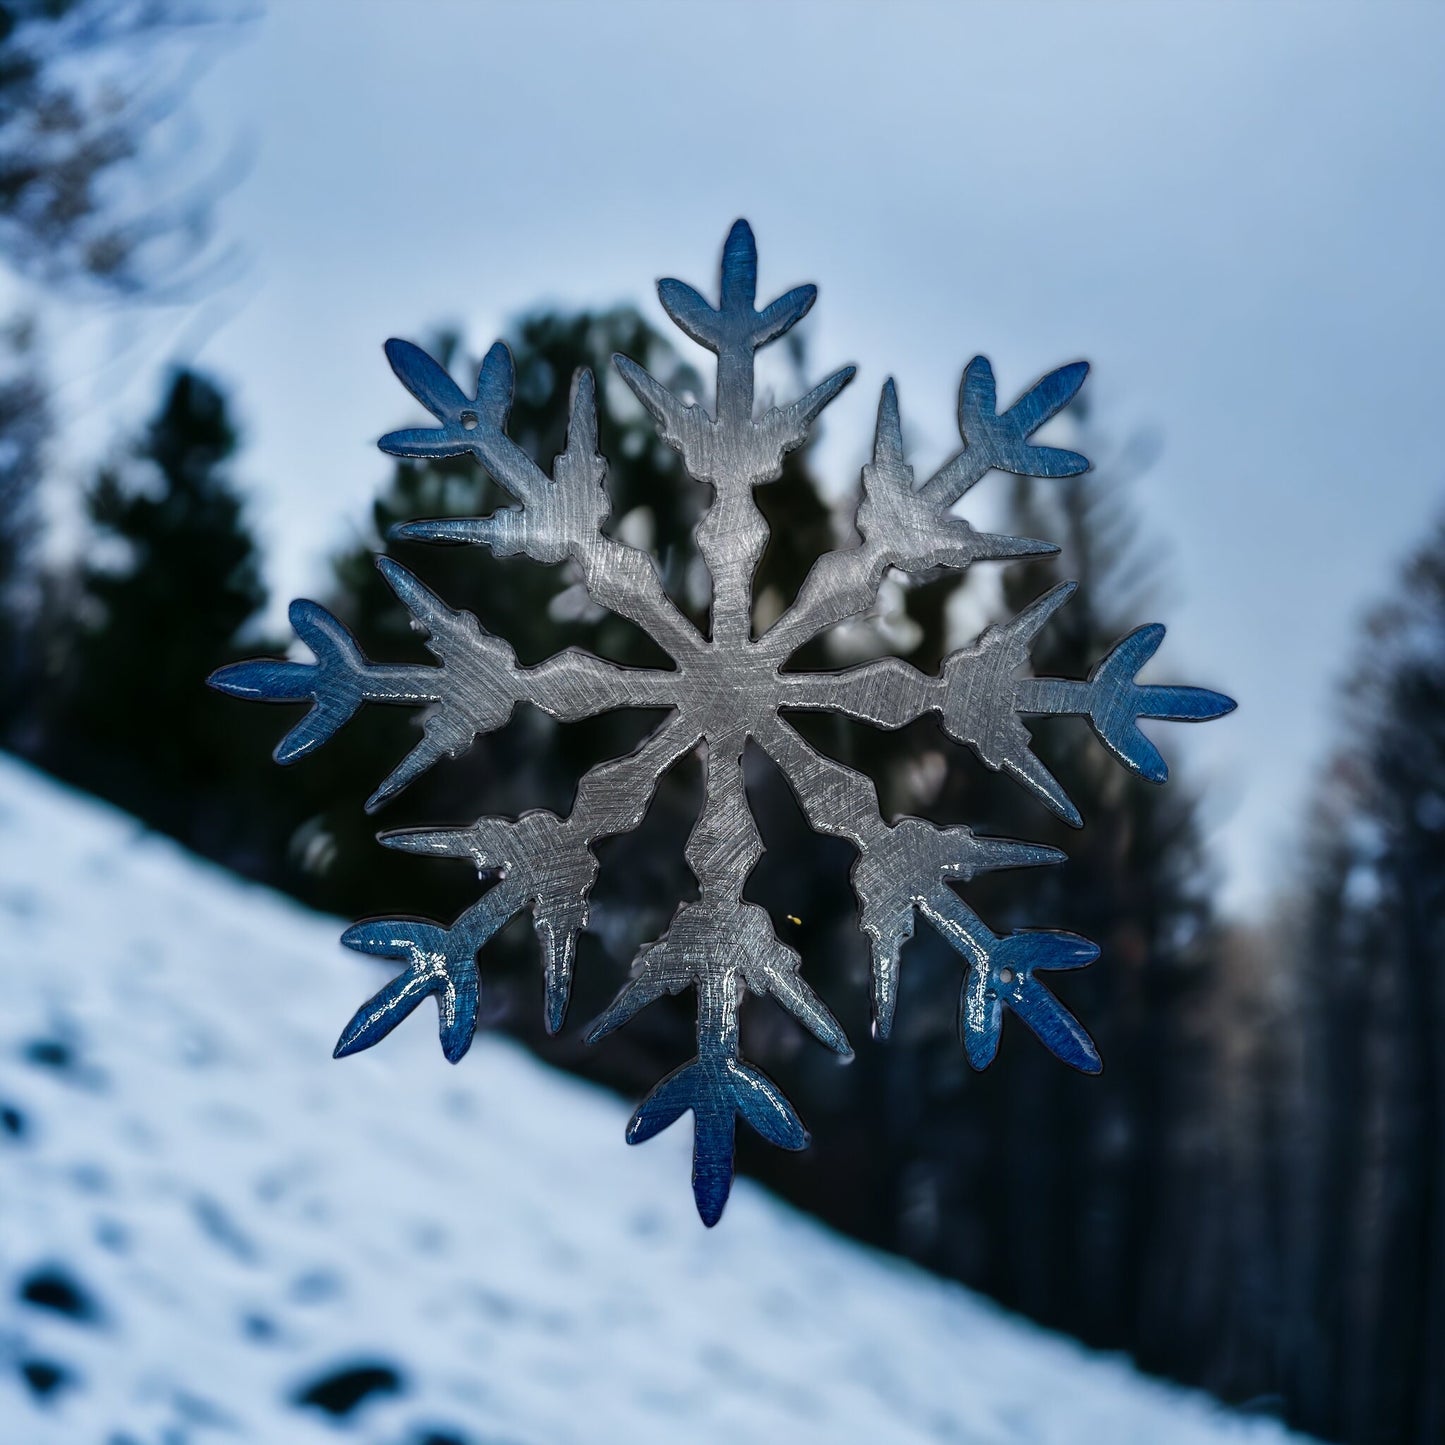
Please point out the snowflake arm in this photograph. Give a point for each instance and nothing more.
(472, 692)
(907, 867)
(546, 863)
(720, 946)
(982, 703)
(1001, 976)
(911, 527)
(441, 962)
(731, 450)
(557, 517)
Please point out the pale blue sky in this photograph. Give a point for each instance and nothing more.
(1233, 210)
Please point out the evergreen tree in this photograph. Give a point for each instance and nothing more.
(24, 432)
(1368, 1206)
(170, 578)
(1137, 882)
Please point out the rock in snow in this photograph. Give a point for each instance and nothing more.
(209, 1230)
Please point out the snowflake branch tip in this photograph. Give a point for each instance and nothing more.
(336, 683)
(543, 863)
(426, 379)
(441, 962)
(734, 322)
(476, 531)
(468, 424)
(706, 325)
(1001, 976)
(1000, 441)
(799, 415)
(888, 456)
(769, 966)
(675, 418)
(1113, 702)
(718, 1092)
(1007, 980)
(738, 287)
(1116, 701)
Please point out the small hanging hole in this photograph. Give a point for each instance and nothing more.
(1005, 975)
(469, 420)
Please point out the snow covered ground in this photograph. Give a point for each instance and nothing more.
(209, 1230)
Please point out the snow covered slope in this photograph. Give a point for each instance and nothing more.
(209, 1230)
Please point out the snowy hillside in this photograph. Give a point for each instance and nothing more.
(209, 1230)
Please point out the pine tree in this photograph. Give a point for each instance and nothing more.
(25, 424)
(170, 578)
(1368, 1306)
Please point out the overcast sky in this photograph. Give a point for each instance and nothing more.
(1234, 211)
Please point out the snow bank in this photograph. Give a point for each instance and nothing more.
(209, 1230)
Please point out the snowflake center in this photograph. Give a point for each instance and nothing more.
(731, 689)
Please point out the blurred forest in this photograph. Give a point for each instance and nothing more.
(1252, 1195)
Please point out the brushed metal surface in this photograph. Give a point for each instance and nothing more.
(725, 688)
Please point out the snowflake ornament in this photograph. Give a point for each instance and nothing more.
(725, 688)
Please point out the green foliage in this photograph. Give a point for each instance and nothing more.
(173, 509)
(170, 578)
(25, 424)
(1365, 1132)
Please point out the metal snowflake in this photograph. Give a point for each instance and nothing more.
(725, 689)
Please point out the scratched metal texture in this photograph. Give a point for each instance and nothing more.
(725, 688)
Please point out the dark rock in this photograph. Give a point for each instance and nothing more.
(50, 1054)
(52, 1288)
(44, 1377)
(341, 1391)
